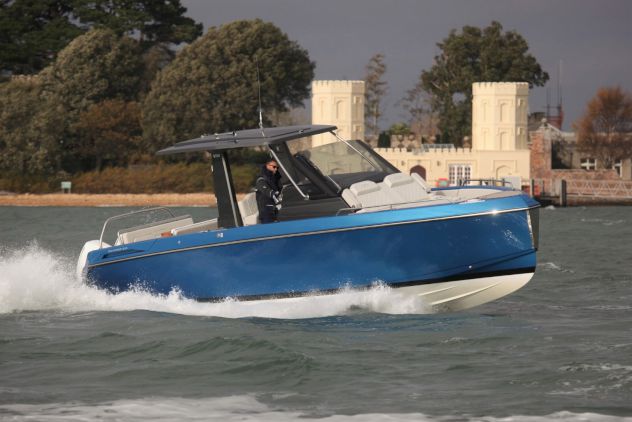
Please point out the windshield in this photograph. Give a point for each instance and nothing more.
(343, 163)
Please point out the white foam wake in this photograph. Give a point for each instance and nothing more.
(243, 408)
(36, 279)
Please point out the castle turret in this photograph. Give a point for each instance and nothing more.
(499, 116)
(339, 103)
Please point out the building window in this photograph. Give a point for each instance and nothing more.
(617, 167)
(458, 173)
(503, 141)
(503, 112)
(340, 109)
(588, 163)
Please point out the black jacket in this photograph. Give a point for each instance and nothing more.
(268, 184)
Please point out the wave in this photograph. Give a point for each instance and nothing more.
(35, 279)
(552, 266)
(602, 221)
(241, 408)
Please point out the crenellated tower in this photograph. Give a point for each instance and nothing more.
(339, 103)
(499, 116)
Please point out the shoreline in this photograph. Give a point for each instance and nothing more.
(185, 200)
(110, 200)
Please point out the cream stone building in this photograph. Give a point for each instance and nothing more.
(339, 103)
(499, 133)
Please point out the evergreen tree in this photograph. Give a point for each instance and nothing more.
(475, 55)
(32, 32)
(94, 67)
(155, 22)
(30, 130)
(211, 86)
(39, 114)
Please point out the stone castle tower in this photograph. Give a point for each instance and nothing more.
(499, 116)
(339, 103)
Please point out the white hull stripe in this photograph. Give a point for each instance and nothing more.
(460, 277)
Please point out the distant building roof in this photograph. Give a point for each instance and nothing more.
(553, 131)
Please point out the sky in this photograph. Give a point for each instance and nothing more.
(587, 42)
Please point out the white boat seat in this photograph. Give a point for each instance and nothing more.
(351, 199)
(367, 194)
(248, 209)
(201, 226)
(417, 178)
(398, 190)
(152, 230)
(407, 188)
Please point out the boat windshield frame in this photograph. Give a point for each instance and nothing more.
(329, 160)
(287, 173)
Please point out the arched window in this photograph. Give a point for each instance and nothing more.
(503, 112)
(502, 140)
(340, 109)
(502, 172)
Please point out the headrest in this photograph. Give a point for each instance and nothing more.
(362, 188)
(397, 179)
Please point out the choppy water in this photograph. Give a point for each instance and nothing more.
(559, 349)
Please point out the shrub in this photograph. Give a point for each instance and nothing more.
(156, 178)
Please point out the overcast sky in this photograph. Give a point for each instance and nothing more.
(591, 39)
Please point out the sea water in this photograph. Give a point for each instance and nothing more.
(558, 349)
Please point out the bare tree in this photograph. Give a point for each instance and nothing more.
(605, 129)
(421, 119)
(375, 89)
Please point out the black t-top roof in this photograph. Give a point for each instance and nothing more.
(246, 138)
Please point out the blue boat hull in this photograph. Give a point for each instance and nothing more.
(400, 248)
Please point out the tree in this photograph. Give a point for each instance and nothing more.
(475, 55)
(109, 132)
(32, 32)
(375, 89)
(421, 118)
(155, 22)
(399, 128)
(95, 66)
(211, 86)
(605, 129)
(384, 140)
(29, 129)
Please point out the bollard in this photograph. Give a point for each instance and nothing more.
(562, 193)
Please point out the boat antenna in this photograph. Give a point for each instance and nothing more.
(259, 87)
